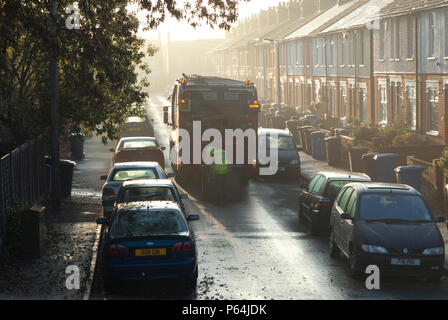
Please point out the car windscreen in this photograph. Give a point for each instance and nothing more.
(134, 174)
(147, 193)
(138, 223)
(218, 102)
(334, 187)
(285, 143)
(388, 206)
(136, 120)
(138, 144)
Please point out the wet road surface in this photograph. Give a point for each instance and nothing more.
(257, 249)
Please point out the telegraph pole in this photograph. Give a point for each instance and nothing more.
(55, 168)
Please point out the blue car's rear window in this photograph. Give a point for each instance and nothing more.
(147, 223)
(385, 206)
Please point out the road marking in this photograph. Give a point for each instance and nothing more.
(89, 282)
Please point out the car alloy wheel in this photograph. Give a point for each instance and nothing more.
(334, 250)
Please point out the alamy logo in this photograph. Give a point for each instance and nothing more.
(73, 20)
(73, 280)
(234, 142)
(373, 280)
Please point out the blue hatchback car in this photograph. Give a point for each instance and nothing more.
(149, 240)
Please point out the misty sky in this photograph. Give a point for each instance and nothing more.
(182, 31)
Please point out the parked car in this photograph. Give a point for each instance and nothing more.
(151, 190)
(122, 172)
(137, 127)
(316, 201)
(388, 225)
(149, 240)
(288, 153)
(138, 149)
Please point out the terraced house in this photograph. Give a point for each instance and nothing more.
(379, 61)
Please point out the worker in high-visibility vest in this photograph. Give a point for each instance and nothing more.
(220, 172)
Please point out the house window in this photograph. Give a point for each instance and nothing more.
(333, 100)
(343, 100)
(432, 34)
(317, 92)
(350, 52)
(361, 47)
(363, 104)
(383, 103)
(411, 30)
(433, 108)
(396, 36)
(331, 53)
(446, 33)
(393, 100)
(342, 55)
(382, 38)
(411, 102)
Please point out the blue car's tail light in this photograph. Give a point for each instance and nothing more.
(118, 249)
(186, 246)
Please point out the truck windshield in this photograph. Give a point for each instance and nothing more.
(219, 102)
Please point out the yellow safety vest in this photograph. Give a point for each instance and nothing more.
(219, 166)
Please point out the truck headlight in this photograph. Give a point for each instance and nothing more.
(437, 251)
(373, 249)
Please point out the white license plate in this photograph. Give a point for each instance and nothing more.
(281, 169)
(405, 262)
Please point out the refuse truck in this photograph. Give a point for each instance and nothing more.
(200, 103)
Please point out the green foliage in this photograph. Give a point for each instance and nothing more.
(389, 133)
(101, 72)
(443, 161)
(408, 139)
(365, 133)
(329, 123)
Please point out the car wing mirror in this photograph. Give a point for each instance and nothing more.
(193, 217)
(170, 175)
(162, 148)
(103, 177)
(299, 148)
(346, 216)
(102, 221)
(111, 150)
(440, 219)
(184, 196)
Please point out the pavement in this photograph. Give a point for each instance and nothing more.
(310, 167)
(70, 237)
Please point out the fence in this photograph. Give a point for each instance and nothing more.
(23, 178)
(432, 175)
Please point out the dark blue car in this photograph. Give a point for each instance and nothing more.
(147, 241)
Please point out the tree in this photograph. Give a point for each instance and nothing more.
(98, 63)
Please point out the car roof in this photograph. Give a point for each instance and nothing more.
(137, 139)
(355, 176)
(148, 182)
(280, 132)
(149, 205)
(136, 164)
(372, 187)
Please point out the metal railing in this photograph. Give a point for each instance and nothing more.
(23, 178)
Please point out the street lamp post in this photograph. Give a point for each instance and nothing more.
(55, 176)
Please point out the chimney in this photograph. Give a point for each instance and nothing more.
(282, 12)
(271, 16)
(309, 7)
(294, 10)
